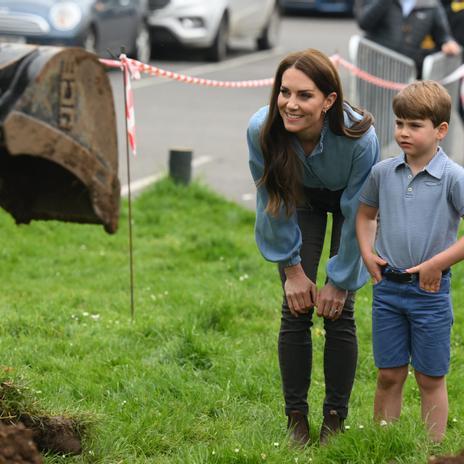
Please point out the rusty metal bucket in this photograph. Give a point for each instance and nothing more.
(58, 141)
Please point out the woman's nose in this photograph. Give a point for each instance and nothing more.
(292, 103)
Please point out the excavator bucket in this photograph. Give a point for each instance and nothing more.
(58, 141)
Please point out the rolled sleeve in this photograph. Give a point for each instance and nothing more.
(346, 270)
(278, 238)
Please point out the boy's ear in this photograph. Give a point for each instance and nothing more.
(442, 130)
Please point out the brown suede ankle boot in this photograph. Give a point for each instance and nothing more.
(331, 425)
(298, 428)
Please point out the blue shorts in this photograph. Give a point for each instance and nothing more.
(411, 325)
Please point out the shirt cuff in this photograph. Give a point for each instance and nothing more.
(292, 261)
(336, 285)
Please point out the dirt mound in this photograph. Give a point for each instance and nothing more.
(458, 459)
(56, 434)
(17, 445)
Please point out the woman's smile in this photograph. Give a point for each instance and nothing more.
(292, 116)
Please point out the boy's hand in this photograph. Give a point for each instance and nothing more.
(374, 265)
(429, 276)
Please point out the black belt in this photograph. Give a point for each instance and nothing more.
(402, 277)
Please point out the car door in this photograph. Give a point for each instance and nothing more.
(249, 17)
(117, 24)
(103, 17)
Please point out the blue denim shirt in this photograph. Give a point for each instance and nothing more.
(336, 163)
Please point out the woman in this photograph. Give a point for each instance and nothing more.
(310, 153)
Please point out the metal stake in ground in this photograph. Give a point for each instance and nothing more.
(129, 196)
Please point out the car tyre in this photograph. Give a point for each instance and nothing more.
(142, 45)
(218, 50)
(270, 34)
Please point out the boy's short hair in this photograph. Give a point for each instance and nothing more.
(423, 100)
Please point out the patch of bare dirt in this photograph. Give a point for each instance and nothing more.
(17, 445)
(54, 434)
(458, 459)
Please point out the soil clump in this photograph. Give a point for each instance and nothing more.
(17, 445)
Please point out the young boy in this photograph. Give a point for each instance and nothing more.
(419, 200)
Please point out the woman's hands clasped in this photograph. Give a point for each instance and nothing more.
(302, 294)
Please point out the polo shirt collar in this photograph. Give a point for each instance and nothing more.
(435, 167)
(399, 161)
(437, 164)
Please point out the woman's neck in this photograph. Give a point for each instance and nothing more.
(310, 137)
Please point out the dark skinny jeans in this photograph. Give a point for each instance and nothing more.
(295, 345)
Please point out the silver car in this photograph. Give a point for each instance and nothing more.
(97, 25)
(210, 24)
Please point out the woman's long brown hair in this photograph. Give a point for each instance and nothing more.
(282, 175)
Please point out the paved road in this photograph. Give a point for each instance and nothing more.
(213, 121)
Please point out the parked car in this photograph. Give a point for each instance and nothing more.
(210, 24)
(97, 25)
(322, 6)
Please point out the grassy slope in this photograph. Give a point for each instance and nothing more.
(194, 379)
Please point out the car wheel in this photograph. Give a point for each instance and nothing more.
(270, 34)
(90, 41)
(142, 46)
(218, 51)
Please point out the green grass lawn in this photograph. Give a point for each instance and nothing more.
(194, 378)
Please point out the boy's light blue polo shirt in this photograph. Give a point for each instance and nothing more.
(418, 215)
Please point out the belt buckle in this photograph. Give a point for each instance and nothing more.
(400, 277)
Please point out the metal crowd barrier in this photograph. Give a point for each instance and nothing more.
(436, 67)
(385, 64)
(389, 65)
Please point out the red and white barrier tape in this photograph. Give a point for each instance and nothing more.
(365, 76)
(133, 68)
(130, 72)
(154, 71)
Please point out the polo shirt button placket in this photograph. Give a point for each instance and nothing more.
(409, 191)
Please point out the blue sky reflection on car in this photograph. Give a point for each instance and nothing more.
(97, 25)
